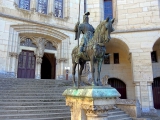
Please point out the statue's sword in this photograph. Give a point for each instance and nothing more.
(78, 40)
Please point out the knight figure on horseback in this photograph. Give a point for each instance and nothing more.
(88, 31)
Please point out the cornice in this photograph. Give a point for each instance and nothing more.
(35, 22)
(72, 30)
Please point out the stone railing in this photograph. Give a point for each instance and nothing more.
(131, 107)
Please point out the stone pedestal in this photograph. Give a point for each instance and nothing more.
(91, 103)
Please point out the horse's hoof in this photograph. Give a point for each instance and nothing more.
(94, 84)
(99, 83)
(81, 84)
(74, 84)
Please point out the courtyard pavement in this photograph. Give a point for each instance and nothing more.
(153, 118)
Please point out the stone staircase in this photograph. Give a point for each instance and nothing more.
(30, 99)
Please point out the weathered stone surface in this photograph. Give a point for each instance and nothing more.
(92, 92)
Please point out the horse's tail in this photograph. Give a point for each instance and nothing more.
(74, 53)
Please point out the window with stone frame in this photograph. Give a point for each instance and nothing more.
(24, 4)
(108, 9)
(107, 60)
(116, 58)
(154, 56)
(42, 6)
(58, 8)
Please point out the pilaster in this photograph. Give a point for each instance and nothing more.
(142, 77)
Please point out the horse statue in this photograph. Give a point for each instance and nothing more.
(95, 52)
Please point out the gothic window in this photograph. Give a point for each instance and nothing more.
(50, 46)
(24, 4)
(27, 43)
(116, 58)
(107, 60)
(108, 10)
(154, 56)
(59, 8)
(42, 6)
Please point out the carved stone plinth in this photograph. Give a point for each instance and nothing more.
(91, 103)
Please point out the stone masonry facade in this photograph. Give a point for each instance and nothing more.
(136, 35)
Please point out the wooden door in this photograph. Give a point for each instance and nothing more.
(119, 85)
(26, 65)
(156, 92)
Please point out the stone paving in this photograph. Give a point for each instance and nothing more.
(153, 118)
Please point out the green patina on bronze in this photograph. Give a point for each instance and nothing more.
(92, 47)
(92, 92)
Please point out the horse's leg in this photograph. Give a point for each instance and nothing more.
(74, 64)
(99, 65)
(80, 73)
(92, 71)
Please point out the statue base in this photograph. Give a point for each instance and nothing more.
(91, 102)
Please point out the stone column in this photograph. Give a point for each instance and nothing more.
(33, 5)
(137, 91)
(13, 64)
(38, 67)
(150, 95)
(50, 7)
(40, 42)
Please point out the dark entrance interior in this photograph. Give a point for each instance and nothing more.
(48, 66)
(119, 85)
(26, 64)
(156, 92)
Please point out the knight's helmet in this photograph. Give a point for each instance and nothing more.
(85, 17)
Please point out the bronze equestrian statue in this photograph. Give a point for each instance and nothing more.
(92, 47)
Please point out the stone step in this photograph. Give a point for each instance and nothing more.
(118, 117)
(42, 111)
(33, 91)
(116, 113)
(26, 116)
(30, 103)
(128, 118)
(39, 107)
(47, 118)
(32, 100)
(32, 97)
(31, 94)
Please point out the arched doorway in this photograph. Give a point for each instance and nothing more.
(156, 92)
(119, 85)
(45, 68)
(26, 64)
(48, 66)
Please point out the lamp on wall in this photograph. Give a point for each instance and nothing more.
(67, 71)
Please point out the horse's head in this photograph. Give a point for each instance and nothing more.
(109, 29)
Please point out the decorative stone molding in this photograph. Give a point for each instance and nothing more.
(62, 60)
(40, 42)
(15, 4)
(39, 60)
(70, 104)
(13, 54)
(126, 101)
(97, 109)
